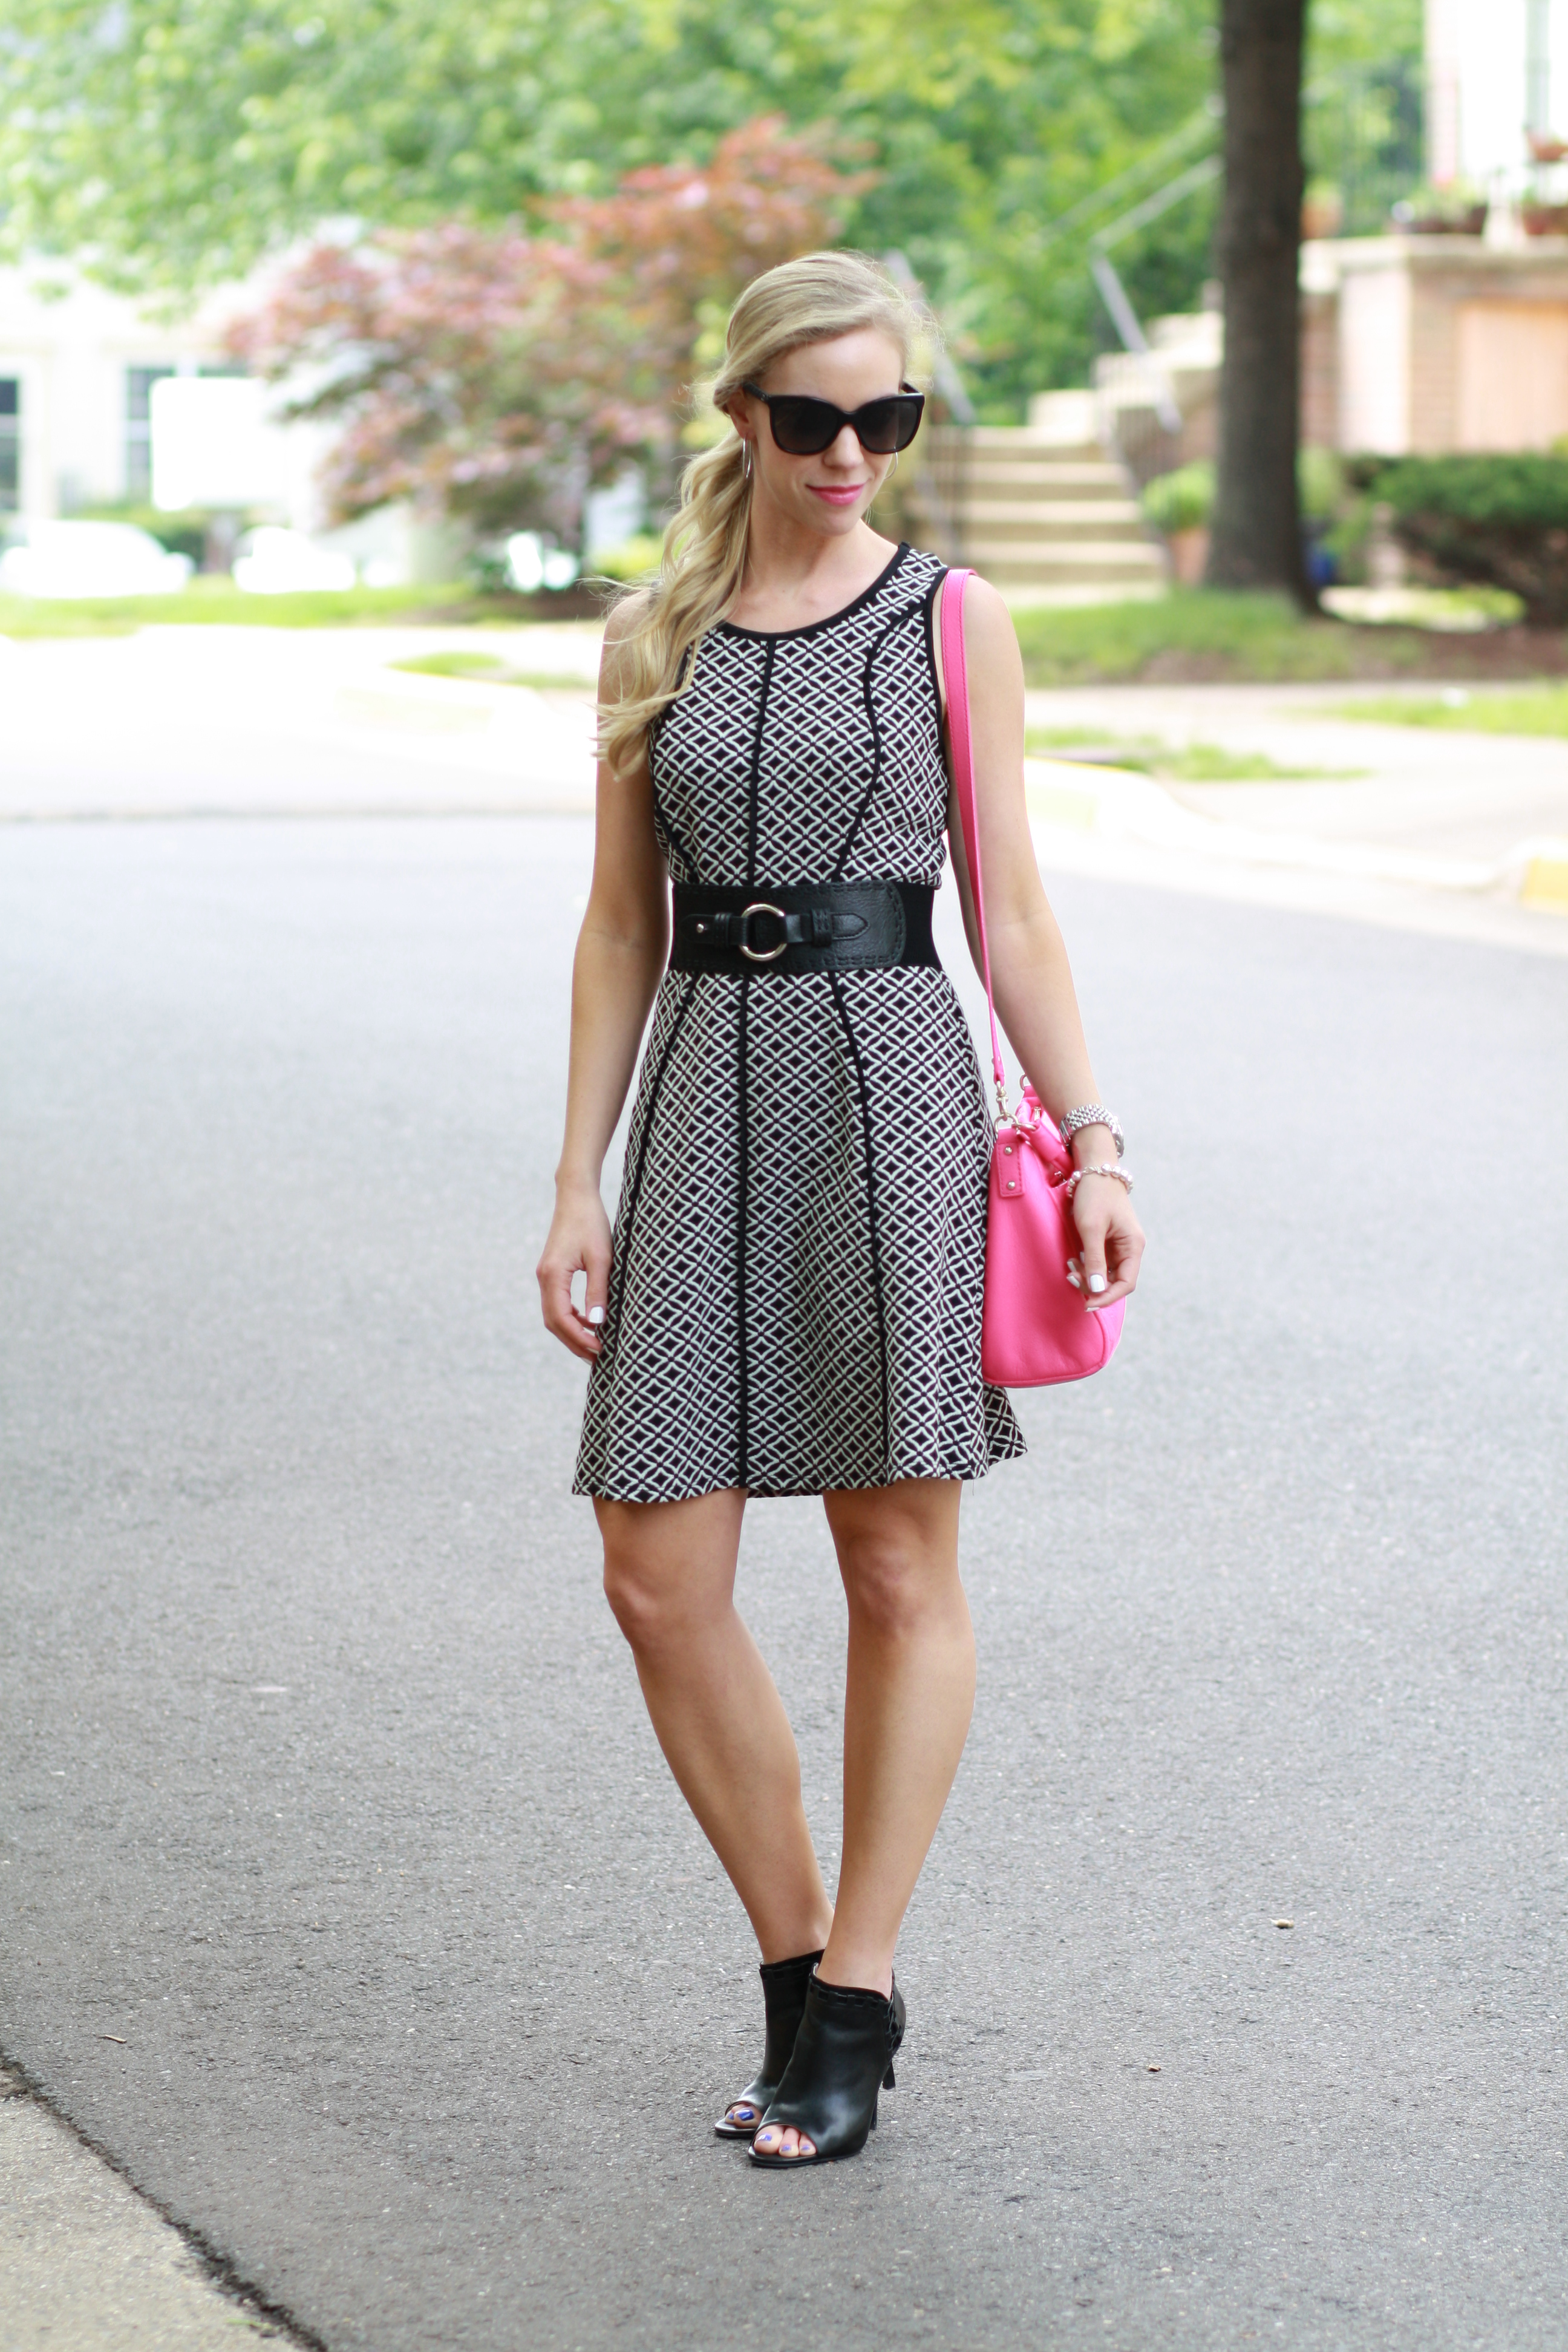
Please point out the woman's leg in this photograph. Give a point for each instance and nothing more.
(669, 1577)
(907, 1701)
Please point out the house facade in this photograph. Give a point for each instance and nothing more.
(1417, 345)
(77, 364)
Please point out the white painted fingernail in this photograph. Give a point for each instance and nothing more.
(1097, 1284)
(596, 1314)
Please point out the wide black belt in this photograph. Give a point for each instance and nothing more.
(802, 927)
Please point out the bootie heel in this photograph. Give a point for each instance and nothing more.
(783, 1999)
(843, 2058)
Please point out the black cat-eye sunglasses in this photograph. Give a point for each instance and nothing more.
(803, 428)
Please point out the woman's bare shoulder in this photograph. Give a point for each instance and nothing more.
(626, 617)
(626, 614)
(990, 640)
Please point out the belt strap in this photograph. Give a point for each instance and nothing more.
(802, 927)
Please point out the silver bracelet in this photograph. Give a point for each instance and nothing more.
(1123, 1176)
(1093, 1114)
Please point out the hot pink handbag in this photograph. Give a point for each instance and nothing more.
(1034, 1328)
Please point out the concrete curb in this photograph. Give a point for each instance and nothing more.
(1121, 804)
(90, 2264)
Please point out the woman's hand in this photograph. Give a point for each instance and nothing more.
(1112, 1240)
(578, 1242)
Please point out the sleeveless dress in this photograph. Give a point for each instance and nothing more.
(796, 1293)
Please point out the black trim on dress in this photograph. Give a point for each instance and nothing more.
(836, 986)
(811, 627)
(932, 592)
(742, 1167)
(742, 1189)
(929, 604)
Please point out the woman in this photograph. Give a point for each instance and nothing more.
(791, 1301)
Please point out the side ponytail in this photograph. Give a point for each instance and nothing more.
(704, 562)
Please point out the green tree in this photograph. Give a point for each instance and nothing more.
(177, 142)
(499, 376)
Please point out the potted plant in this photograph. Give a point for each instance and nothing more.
(1456, 209)
(1543, 220)
(1545, 147)
(1178, 505)
(1322, 210)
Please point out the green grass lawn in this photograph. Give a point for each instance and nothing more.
(1194, 635)
(1529, 711)
(1223, 636)
(213, 600)
(1182, 763)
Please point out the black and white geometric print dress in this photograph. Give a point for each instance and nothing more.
(796, 1293)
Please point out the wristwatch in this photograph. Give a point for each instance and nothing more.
(1093, 1114)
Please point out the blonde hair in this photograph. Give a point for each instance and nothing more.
(811, 300)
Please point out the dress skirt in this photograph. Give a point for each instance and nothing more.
(796, 1290)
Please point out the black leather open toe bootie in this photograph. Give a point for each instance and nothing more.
(784, 1998)
(843, 2058)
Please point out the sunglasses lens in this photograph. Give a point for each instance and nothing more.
(802, 427)
(878, 427)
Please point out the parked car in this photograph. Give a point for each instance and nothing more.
(89, 559)
(277, 562)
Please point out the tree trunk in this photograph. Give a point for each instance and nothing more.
(1256, 531)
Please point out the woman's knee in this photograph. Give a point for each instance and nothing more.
(897, 1589)
(898, 1554)
(661, 1588)
(642, 1601)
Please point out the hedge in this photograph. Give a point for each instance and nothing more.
(1513, 490)
(1501, 519)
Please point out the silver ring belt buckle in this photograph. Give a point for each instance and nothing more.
(760, 955)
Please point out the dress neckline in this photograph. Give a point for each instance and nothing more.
(810, 627)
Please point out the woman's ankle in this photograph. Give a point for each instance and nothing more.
(857, 1970)
(794, 1943)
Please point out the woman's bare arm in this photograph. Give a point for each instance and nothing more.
(621, 952)
(1035, 999)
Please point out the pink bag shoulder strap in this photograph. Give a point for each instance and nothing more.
(955, 677)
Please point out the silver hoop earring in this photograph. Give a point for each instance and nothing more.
(894, 466)
(746, 462)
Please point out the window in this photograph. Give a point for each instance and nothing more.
(10, 442)
(139, 382)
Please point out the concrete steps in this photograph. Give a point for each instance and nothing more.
(1033, 514)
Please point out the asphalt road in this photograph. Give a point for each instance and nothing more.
(345, 1899)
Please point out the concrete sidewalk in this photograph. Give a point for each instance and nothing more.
(86, 2264)
(1432, 792)
(1431, 831)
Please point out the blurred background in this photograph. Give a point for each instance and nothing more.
(366, 303)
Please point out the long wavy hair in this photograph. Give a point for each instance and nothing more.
(810, 300)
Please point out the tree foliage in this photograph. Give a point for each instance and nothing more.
(499, 375)
(179, 141)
